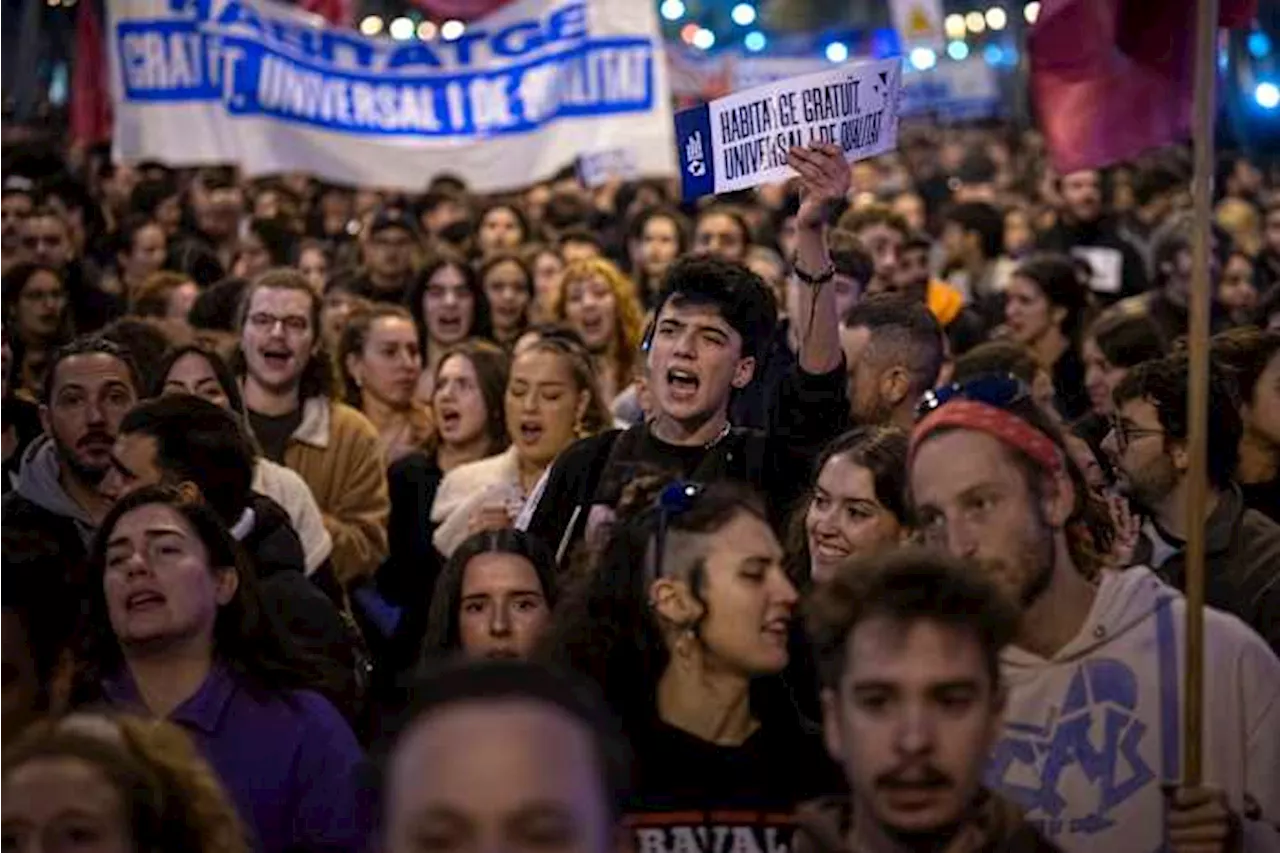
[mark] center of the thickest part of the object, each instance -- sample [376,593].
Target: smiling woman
[855,507]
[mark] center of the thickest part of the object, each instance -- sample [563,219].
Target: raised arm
[824,181]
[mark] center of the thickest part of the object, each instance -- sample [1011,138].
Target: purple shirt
[288,760]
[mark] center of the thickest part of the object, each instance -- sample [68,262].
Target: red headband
[1006,426]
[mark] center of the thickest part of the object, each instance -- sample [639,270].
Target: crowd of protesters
[842,515]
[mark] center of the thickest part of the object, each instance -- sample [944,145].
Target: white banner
[517,96]
[741,141]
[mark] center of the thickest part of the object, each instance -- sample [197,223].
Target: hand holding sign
[745,139]
[824,181]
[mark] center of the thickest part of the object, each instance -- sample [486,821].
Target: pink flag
[1113,78]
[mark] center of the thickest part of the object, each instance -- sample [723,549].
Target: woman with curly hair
[114,784]
[600,303]
[684,622]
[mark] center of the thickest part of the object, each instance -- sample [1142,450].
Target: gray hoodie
[38,482]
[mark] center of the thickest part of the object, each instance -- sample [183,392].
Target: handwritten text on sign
[741,140]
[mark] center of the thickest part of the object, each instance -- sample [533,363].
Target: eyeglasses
[1125,434]
[674,501]
[995,389]
[294,323]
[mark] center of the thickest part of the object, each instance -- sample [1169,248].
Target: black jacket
[1242,564]
[301,608]
[807,412]
[1101,234]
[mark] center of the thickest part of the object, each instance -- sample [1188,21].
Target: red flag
[463,10]
[336,12]
[90,105]
[1113,78]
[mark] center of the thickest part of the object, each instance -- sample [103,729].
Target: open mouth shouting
[682,384]
[530,431]
[449,326]
[594,329]
[277,358]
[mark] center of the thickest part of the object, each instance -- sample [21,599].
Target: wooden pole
[1198,379]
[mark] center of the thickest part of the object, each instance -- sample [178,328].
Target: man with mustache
[908,647]
[1091,746]
[90,386]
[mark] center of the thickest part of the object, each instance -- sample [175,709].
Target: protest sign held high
[741,141]
[508,101]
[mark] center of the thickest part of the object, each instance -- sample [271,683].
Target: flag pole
[1202,125]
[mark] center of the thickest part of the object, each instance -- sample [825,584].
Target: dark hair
[564,210]
[907,586]
[492,365]
[1268,302]
[984,220]
[246,639]
[525,232]
[465,682]
[149,193]
[1243,354]
[128,230]
[1056,277]
[1163,384]
[1151,180]
[221,371]
[997,357]
[90,345]
[277,238]
[743,299]
[16,279]
[606,628]
[882,451]
[27,591]
[489,263]
[903,331]
[355,334]
[1127,339]
[849,257]
[216,307]
[480,325]
[721,209]
[580,234]
[200,442]
[635,229]
[442,623]
[144,339]
[318,378]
